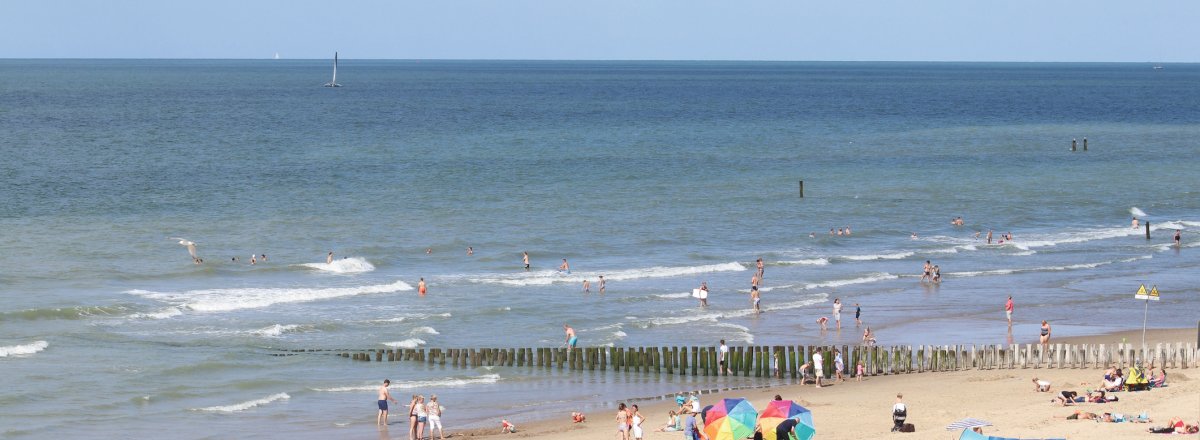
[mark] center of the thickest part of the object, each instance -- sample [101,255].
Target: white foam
[168,312]
[881,276]
[245,405]
[436,383]
[274,331]
[424,331]
[223,300]
[892,256]
[1044,268]
[547,277]
[22,350]
[1137,212]
[673,295]
[766,289]
[805,262]
[344,266]
[407,343]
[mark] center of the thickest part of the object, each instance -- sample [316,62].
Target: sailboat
[333,82]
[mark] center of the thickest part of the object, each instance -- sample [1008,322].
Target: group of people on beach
[931,272]
[422,415]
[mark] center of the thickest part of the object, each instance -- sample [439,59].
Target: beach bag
[908,427]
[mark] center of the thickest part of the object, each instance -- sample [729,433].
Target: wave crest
[23,350]
[345,265]
[224,300]
[245,405]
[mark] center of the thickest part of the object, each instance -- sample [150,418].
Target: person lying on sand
[578,417]
[1176,426]
[1099,396]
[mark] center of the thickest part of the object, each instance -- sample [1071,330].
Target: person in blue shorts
[571,338]
[384,397]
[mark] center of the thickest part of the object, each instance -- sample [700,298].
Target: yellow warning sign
[1154,293]
[1141,293]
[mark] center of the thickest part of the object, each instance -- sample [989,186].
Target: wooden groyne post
[784,361]
[802,189]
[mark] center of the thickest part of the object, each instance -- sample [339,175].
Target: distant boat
[1158,67]
[276,55]
[333,82]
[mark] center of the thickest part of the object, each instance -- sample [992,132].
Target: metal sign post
[1147,296]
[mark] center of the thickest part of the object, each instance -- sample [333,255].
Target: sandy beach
[859,410]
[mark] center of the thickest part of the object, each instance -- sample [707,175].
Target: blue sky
[939,30]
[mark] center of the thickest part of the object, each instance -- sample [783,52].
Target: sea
[659,176]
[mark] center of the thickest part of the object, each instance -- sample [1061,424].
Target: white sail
[333,82]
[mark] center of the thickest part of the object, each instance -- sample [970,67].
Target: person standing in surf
[1178,237]
[755,299]
[329,258]
[571,338]
[525,259]
[587,287]
[857,315]
[989,236]
[1008,309]
[601,283]
[565,267]
[1135,222]
[384,397]
[761,271]
[704,294]
[421,286]
[837,312]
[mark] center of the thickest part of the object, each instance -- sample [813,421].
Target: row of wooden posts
[785,361]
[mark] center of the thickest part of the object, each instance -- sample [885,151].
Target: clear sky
[884,30]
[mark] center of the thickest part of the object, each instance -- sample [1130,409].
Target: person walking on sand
[837,312]
[434,409]
[818,366]
[571,338]
[622,420]
[601,283]
[1045,336]
[587,287]
[525,259]
[384,397]
[329,258]
[1008,309]
[421,286]
[838,365]
[899,413]
[722,355]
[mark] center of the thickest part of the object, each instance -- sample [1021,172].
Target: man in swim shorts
[384,397]
[1177,237]
[571,339]
[755,299]
[525,259]
[818,366]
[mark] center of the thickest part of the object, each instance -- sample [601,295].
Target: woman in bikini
[622,422]
[1045,338]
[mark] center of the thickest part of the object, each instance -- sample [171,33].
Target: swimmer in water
[847,230]
[421,286]
[470,251]
[1135,222]
[587,287]
[525,259]
[914,236]
[565,267]
[329,258]
[428,251]
[812,235]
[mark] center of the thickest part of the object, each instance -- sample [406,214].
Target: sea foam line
[547,277]
[436,383]
[1043,268]
[23,350]
[223,300]
[407,343]
[881,276]
[343,266]
[245,405]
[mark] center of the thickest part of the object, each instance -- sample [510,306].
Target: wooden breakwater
[787,360]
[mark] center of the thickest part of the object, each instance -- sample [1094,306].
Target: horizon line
[607,60]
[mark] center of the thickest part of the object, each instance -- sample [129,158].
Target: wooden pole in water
[802,189]
[1084,144]
[1072,144]
[1147,229]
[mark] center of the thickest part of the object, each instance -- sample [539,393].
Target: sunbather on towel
[1176,426]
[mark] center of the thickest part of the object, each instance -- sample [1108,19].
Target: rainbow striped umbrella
[731,419]
[779,410]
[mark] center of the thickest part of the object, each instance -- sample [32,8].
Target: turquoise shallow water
[656,175]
